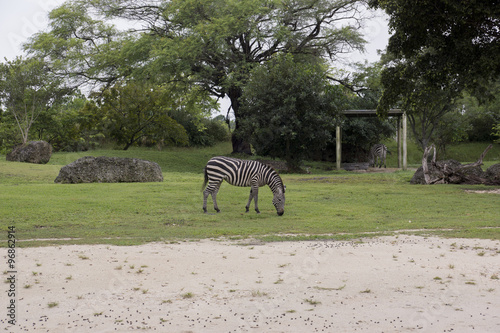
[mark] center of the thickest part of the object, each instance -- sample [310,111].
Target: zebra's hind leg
[247,207]
[212,189]
[206,193]
[205,196]
[214,196]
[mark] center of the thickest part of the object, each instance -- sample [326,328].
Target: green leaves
[139,112]
[27,89]
[455,42]
[288,108]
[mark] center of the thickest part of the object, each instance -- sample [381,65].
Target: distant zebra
[378,153]
[242,173]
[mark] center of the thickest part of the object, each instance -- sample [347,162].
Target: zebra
[242,173]
[378,153]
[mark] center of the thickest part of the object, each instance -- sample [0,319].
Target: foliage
[455,42]
[289,108]
[451,128]
[413,89]
[481,115]
[70,126]
[213,44]
[137,112]
[360,134]
[438,49]
[496,132]
[82,48]
[27,90]
[10,135]
[206,132]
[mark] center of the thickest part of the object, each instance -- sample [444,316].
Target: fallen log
[452,172]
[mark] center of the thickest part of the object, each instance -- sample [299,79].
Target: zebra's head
[279,200]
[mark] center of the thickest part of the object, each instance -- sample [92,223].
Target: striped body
[378,153]
[242,173]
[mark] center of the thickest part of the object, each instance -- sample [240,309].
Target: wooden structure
[401,134]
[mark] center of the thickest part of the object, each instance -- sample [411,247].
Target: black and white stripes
[378,153]
[242,173]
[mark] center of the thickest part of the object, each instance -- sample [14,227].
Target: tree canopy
[212,44]
[449,44]
[27,89]
[289,108]
[136,111]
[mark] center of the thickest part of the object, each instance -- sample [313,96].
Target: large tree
[138,112]
[210,43]
[289,108]
[27,89]
[457,43]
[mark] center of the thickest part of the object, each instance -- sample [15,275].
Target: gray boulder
[104,169]
[38,152]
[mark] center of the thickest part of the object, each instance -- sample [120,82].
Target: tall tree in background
[27,89]
[454,44]
[209,43]
[289,108]
[136,111]
[411,88]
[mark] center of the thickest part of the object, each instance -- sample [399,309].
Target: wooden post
[405,150]
[338,144]
[398,139]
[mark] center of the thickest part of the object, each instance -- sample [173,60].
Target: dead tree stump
[451,171]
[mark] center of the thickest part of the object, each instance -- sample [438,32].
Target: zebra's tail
[206,179]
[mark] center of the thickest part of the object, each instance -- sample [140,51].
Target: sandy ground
[388,284]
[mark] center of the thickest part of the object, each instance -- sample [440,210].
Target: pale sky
[19,19]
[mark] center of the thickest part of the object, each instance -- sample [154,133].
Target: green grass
[335,205]
[463,152]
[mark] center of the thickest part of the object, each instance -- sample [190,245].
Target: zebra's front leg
[247,207]
[256,199]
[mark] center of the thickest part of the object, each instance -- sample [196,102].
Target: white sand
[389,284]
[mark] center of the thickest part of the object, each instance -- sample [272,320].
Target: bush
[202,131]
[289,108]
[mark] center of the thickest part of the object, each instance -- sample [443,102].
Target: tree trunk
[240,145]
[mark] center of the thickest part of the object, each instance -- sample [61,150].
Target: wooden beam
[398,139]
[338,143]
[370,113]
[405,149]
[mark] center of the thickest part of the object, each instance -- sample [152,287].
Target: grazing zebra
[378,152]
[242,173]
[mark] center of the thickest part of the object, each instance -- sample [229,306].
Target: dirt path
[389,284]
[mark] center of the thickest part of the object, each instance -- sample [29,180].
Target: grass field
[324,204]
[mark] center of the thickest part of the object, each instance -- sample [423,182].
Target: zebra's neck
[274,182]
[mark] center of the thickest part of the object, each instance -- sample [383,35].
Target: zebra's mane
[275,174]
